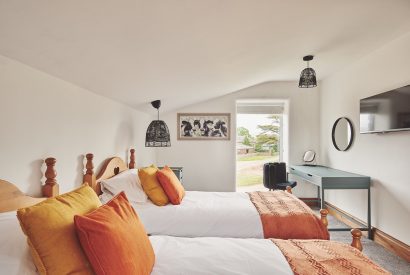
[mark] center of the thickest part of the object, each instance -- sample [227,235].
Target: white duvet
[217,256]
[203,214]
[173,255]
[14,252]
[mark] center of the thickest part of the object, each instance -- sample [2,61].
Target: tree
[258,147]
[269,136]
[243,132]
[248,139]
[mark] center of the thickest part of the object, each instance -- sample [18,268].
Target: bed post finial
[323,217]
[89,176]
[50,188]
[356,235]
[132,159]
[289,189]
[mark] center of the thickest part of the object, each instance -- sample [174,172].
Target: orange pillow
[151,186]
[171,185]
[114,239]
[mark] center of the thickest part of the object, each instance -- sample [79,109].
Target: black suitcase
[274,173]
[266,175]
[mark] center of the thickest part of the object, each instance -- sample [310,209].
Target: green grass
[257,157]
[246,180]
[251,172]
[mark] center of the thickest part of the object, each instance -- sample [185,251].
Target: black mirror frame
[351,130]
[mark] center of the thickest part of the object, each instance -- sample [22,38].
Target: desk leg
[369,215]
[322,198]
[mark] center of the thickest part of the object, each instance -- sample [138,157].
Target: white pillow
[127,181]
[15,256]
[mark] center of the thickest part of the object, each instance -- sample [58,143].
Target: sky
[250,121]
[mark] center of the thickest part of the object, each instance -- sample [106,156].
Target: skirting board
[390,243]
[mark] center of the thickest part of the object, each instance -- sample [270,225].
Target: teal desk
[328,178]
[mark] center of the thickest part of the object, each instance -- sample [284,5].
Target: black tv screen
[385,112]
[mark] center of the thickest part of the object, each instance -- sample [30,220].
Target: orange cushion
[151,186]
[49,227]
[114,239]
[171,185]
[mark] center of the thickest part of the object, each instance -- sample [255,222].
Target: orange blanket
[326,257]
[284,216]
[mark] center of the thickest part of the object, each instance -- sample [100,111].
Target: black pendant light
[157,132]
[308,75]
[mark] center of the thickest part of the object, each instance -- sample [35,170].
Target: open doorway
[259,140]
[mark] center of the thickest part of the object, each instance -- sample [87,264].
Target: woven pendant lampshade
[308,75]
[157,133]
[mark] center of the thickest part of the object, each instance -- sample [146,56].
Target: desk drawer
[309,177]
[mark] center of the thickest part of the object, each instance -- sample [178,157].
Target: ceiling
[186,51]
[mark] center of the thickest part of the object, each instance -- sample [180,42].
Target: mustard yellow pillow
[151,186]
[51,235]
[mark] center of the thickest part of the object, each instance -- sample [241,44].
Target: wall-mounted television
[386,112]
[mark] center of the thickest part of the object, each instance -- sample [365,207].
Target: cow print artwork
[204,126]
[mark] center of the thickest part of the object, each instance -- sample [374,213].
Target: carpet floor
[374,251]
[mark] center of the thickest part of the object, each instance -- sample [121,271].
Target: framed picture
[204,126]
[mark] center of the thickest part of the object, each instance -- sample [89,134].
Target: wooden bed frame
[11,198]
[111,167]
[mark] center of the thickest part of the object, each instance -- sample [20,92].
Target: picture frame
[204,126]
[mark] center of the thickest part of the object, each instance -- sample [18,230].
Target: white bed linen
[203,214]
[173,255]
[199,256]
[14,253]
[127,181]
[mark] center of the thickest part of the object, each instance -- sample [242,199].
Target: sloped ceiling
[186,51]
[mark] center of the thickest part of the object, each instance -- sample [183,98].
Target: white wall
[210,165]
[43,116]
[384,157]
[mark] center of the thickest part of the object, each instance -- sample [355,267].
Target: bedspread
[326,257]
[284,216]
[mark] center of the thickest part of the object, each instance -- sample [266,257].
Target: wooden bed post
[323,217]
[132,159]
[89,176]
[356,235]
[289,189]
[50,188]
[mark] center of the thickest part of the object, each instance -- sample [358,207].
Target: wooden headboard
[11,198]
[111,167]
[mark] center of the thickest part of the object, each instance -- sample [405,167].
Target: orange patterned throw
[284,216]
[307,257]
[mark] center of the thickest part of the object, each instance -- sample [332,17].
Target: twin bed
[275,214]
[199,255]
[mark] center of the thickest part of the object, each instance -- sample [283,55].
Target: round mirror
[342,134]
